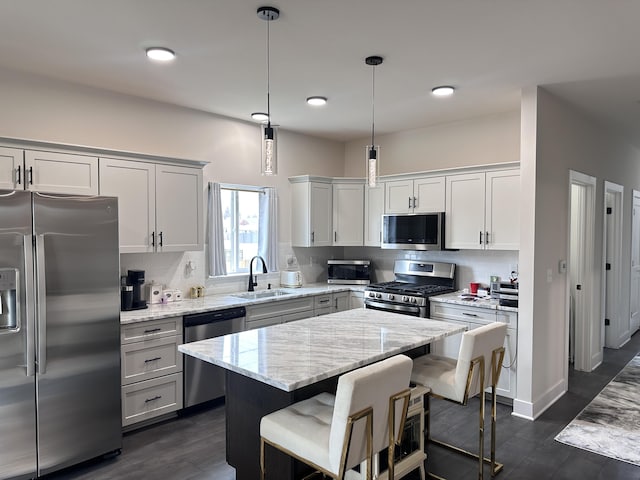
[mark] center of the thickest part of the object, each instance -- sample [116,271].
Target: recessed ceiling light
[260,116]
[442,91]
[160,54]
[317,101]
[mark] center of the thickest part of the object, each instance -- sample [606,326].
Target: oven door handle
[391,307]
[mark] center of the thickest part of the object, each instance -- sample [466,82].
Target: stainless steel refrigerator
[59,331]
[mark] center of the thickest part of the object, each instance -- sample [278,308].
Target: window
[240,217]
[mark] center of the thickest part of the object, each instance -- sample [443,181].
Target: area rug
[610,424]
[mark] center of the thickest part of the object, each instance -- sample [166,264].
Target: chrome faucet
[254,282]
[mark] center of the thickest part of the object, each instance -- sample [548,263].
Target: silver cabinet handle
[18,175]
[160,244]
[41,307]
[486,237]
[313,237]
[409,202]
[30,175]
[153,399]
[335,236]
[30,322]
[480,237]
[151,330]
[324,301]
[153,239]
[153,359]
[470,314]
[415,203]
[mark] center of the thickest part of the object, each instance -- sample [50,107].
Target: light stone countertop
[293,355]
[225,300]
[456,298]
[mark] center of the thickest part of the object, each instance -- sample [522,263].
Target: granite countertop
[293,355]
[458,298]
[226,300]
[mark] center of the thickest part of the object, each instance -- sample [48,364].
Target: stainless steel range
[414,283]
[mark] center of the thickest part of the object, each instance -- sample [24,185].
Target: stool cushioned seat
[305,425]
[317,430]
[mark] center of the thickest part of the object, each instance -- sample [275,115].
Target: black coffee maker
[131,291]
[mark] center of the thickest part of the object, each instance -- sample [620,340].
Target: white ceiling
[587,51]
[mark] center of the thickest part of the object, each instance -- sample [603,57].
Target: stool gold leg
[261,458]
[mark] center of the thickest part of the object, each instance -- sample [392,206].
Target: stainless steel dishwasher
[204,381]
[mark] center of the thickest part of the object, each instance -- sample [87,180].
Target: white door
[348,214]
[134,185]
[61,173]
[373,209]
[583,321]
[502,220]
[428,195]
[179,206]
[464,212]
[321,211]
[11,174]
[635,263]
[398,196]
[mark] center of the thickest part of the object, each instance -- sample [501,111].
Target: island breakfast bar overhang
[272,367]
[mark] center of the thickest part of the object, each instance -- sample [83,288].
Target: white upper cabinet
[11,161]
[311,212]
[421,195]
[48,172]
[179,205]
[60,173]
[481,211]
[502,217]
[160,206]
[348,214]
[373,210]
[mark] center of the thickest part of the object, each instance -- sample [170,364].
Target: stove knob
[405,298]
[378,295]
[391,297]
[414,300]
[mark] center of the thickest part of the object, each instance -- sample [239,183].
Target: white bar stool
[333,434]
[461,379]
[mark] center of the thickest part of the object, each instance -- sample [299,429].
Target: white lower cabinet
[356,300]
[280,311]
[330,303]
[151,369]
[474,317]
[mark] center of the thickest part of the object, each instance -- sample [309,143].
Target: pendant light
[269,162]
[373,150]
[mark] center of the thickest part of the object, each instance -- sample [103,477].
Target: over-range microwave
[348,272]
[413,231]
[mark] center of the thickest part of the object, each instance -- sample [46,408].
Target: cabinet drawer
[322,301]
[276,308]
[150,359]
[291,317]
[510,318]
[264,322]
[445,311]
[151,398]
[171,326]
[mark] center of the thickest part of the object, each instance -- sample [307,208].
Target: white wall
[37,108]
[477,141]
[556,138]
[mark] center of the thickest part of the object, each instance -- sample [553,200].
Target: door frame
[584,330]
[612,229]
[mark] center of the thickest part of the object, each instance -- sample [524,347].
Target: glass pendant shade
[372,164]
[269,163]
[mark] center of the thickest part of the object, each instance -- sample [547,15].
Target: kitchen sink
[260,294]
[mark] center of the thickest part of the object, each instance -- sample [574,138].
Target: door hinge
[609,210]
[607,266]
[607,322]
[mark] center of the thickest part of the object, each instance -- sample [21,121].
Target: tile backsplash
[183,270]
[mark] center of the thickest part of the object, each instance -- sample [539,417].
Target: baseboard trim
[532,410]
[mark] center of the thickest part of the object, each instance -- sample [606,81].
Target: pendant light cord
[268,77]
[373,106]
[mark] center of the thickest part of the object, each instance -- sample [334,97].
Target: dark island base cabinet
[247,401]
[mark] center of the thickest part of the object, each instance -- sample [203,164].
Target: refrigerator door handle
[29,291]
[41,309]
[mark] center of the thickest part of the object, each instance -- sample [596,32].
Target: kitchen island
[272,367]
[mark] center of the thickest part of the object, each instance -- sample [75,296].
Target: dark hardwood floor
[191,447]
